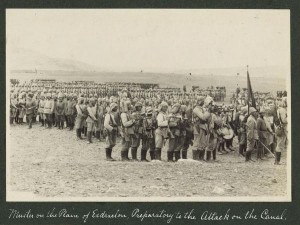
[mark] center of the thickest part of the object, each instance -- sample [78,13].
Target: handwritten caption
[142,215]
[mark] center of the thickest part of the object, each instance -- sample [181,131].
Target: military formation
[147,120]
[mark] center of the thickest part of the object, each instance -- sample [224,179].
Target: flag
[251,99]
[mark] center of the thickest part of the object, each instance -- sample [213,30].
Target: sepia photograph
[148,105]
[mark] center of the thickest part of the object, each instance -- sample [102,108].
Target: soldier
[200,130]
[241,131]
[137,129]
[100,119]
[281,130]
[30,107]
[21,107]
[80,117]
[252,135]
[13,108]
[262,134]
[49,109]
[71,110]
[91,119]
[111,128]
[175,121]
[127,129]
[60,111]
[41,109]
[148,141]
[161,132]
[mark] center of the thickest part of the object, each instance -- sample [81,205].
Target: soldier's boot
[152,155]
[194,153]
[124,157]
[170,156]
[184,154]
[177,155]
[85,131]
[89,137]
[277,158]
[144,156]
[111,159]
[201,155]
[157,154]
[78,134]
[134,153]
[82,130]
[98,135]
[208,156]
[42,122]
[247,158]
[214,154]
[62,124]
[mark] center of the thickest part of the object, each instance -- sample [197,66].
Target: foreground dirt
[51,163]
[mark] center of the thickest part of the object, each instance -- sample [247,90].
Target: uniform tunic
[252,135]
[161,131]
[111,126]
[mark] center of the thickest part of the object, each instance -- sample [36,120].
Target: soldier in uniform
[41,109]
[21,107]
[162,127]
[262,131]
[127,123]
[49,109]
[137,129]
[91,119]
[60,111]
[111,128]
[13,108]
[80,117]
[200,130]
[148,141]
[30,108]
[100,119]
[252,135]
[281,130]
[175,122]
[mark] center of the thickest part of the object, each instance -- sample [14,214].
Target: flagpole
[248,89]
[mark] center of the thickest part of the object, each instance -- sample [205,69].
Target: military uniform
[175,143]
[60,112]
[30,107]
[200,131]
[49,109]
[252,135]
[148,137]
[161,133]
[111,128]
[91,119]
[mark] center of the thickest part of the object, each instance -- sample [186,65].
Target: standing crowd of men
[184,122]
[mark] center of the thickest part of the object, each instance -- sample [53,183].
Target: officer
[111,128]
[161,133]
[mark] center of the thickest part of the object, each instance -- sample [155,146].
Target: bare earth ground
[51,163]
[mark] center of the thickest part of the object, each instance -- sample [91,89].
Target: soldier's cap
[48,95]
[148,110]
[164,104]
[252,110]
[200,98]
[138,104]
[244,110]
[60,95]
[113,105]
[176,105]
[30,95]
[262,110]
[92,100]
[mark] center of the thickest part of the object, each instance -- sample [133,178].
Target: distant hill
[23,59]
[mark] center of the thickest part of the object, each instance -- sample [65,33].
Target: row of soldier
[198,123]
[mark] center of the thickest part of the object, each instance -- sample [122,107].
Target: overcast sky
[178,39]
